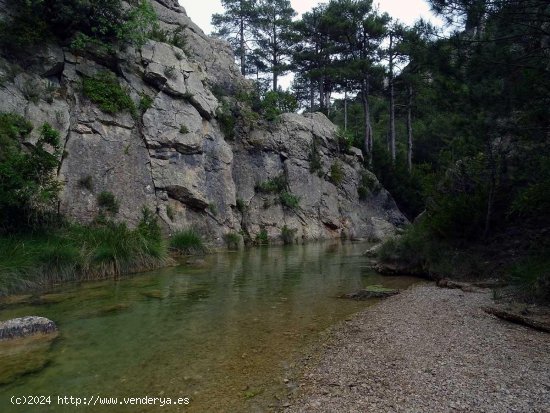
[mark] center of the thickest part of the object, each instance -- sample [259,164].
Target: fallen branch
[518,319]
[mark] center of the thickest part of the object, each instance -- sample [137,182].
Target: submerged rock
[372,291]
[26,326]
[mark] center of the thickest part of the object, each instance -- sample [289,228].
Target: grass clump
[107,202]
[77,252]
[289,200]
[232,240]
[145,102]
[184,129]
[86,182]
[262,237]
[187,242]
[367,185]
[104,90]
[314,157]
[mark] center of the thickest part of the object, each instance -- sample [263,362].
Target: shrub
[315,163]
[226,119]
[262,238]
[187,242]
[145,102]
[531,276]
[336,172]
[367,185]
[232,240]
[289,200]
[184,129]
[288,235]
[274,185]
[344,139]
[108,202]
[104,90]
[276,103]
[241,206]
[28,188]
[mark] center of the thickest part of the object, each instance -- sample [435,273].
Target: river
[229,332]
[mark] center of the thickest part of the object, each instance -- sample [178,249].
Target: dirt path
[429,350]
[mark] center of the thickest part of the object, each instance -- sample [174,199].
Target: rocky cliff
[174,157]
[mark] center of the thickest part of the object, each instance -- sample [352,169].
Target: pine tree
[237,26]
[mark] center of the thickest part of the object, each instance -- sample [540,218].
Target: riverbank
[429,350]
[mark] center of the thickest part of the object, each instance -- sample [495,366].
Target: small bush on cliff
[277,103]
[274,185]
[107,202]
[187,242]
[232,240]
[28,188]
[104,90]
[289,200]
[336,173]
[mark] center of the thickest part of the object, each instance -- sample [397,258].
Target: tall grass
[187,242]
[78,253]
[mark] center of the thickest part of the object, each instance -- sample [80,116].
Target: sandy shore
[429,350]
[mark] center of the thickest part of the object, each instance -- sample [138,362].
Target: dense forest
[454,123]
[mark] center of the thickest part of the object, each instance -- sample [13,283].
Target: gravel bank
[429,350]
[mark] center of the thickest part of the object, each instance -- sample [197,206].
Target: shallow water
[227,332]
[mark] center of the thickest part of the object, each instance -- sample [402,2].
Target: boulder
[26,326]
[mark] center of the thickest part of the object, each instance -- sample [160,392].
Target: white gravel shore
[429,349]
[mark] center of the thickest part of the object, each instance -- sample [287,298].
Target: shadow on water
[225,333]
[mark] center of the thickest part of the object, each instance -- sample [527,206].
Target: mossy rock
[24,356]
[371,291]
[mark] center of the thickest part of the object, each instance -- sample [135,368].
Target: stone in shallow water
[372,291]
[25,326]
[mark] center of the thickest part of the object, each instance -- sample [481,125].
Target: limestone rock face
[173,157]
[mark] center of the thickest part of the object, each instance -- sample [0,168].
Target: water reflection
[225,333]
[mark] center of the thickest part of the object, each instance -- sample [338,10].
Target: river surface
[228,332]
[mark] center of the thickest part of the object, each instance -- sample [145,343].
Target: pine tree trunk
[392,104]
[368,142]
[409,131]
[243,54]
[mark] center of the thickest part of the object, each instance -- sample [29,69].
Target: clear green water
[226,332]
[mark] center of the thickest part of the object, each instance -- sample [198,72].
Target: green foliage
[277,103]
[532,276]
[288,235]
[184,129]
[187,242]
[104,90]
[262,237]
[76,253]
[232,240]
[336,172]
[28,188]
[367,185]
[227,120]
[314,157]
[213,208]
[145,102]
[241,206]
[345,139]
[107,202]
[289,200]
[274,185]
[101,24]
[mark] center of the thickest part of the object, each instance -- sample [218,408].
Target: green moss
[104,90]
